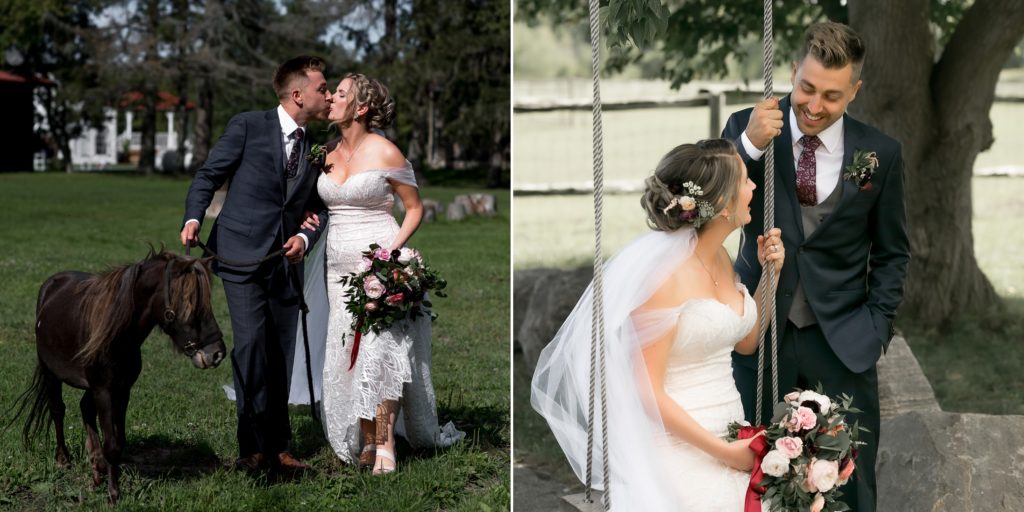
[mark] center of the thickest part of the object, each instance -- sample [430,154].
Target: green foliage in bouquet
[811,452]
[390,286]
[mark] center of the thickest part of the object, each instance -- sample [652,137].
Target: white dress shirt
[828,157]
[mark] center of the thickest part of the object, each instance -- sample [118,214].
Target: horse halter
[191,347]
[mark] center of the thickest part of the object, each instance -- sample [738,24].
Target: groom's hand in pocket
[765,123]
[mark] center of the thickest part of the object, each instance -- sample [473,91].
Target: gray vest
[800,313]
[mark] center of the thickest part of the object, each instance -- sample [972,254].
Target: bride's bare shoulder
[675,290]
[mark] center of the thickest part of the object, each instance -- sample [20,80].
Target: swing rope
[597,340]
[768,292]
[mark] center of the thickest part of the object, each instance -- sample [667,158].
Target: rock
[938,461]
[478,204]
[543,299]
[902,386]
[431,209]
[456,211]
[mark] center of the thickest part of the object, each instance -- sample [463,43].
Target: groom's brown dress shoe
[288,462]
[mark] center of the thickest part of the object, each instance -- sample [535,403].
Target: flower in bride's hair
[775,464]
[373,287]
[687,203]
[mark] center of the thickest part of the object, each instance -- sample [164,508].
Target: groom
[263,156]
[845,236]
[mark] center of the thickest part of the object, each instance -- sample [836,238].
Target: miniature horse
[89,334]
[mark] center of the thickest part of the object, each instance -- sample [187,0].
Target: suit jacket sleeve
[221,164]
[890,251]
[733,131]
[315,205]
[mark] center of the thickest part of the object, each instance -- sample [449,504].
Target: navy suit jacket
[258,214]
[852,267]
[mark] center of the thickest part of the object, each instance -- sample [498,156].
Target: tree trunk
[204,123]
[147,153]
[56,116]
[940,112]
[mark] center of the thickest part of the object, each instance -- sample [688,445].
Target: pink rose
[805,418]
[791,447]
[818,504]
[791,423]
[395,299]
[822,475]
[370,307]
[373,287]
[791,397]
[382,254]
[846,472]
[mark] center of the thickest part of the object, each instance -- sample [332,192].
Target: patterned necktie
[806,170]
[292,168]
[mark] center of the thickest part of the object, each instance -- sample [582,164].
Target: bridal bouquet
[389,286]
[806,453]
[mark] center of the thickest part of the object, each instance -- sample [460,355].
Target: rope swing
[768,292]
[597,340]
[597,343]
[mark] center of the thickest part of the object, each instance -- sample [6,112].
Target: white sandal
[382,470]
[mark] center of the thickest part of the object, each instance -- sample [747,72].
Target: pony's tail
[33,400]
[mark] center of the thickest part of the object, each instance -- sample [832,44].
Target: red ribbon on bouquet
[355,343]
[760,447]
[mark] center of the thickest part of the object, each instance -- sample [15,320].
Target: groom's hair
[834,45]
[292,70]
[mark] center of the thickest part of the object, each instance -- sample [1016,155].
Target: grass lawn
[975,367]
[181,428]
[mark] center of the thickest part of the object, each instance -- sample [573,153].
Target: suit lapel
[276,149]
[785,168]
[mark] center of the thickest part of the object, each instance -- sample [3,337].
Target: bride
[673,313]
[390,382]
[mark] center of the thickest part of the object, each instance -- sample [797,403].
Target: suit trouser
[264,315]
[805,360]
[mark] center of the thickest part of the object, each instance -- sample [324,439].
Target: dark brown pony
[89,334]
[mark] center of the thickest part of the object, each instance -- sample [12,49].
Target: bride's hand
[770,248]
[737,455]
[312,220]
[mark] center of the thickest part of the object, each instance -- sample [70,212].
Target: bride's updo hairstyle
[374,95]
[691,185]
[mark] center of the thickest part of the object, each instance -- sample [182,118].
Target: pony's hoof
[62,461]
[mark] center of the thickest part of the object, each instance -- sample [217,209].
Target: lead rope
[768,292]
[597,340]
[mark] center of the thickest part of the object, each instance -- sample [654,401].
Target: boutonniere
[864,165]
[317,155]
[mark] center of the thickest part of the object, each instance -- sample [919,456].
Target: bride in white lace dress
[673,312]
[391,377]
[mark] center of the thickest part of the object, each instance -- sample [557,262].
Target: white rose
[823,401]
[823,474]
[775,463]
[364,266]
[406,255]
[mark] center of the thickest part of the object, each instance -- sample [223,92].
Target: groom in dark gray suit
[271,186]
[845,237]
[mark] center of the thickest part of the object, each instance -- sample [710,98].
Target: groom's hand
[765,123]
[189,234]
[294,249]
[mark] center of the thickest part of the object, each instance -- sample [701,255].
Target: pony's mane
[111,299]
